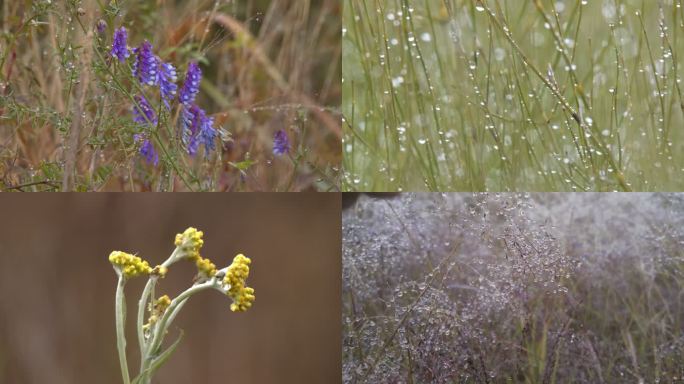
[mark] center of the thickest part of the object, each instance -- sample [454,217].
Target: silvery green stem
[178,308]
[145,297]
[176,255]
[142,304]
[120,309]
[163,324]
[148,364]
[151,282]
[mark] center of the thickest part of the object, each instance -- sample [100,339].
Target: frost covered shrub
[496,287]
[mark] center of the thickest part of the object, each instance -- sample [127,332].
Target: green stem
[161,326]
[120,307]
[141,314]
[295,162]
[145,347]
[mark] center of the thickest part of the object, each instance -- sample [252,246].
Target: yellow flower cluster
[205,266]
[191,242]
[162,303]
[236,274]
[159,270]
[158,310]
[129,265]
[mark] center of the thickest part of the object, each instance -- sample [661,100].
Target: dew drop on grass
[499,54]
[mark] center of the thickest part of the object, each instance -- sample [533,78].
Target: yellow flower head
[129,265]
[205,266]
[161,304]
[157,310]
[236,274]
[159,270]
[191,242]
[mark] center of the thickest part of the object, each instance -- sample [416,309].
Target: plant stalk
[120,309]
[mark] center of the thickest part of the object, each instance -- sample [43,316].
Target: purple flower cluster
[150,70]
[119,46]
[101,27]
[147,149]
[198,129]
[166,79]
[281,143]
[143,113]
[145,65]
[191,84]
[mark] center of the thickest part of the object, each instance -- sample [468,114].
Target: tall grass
[492,288]
[65,107]
[543,95]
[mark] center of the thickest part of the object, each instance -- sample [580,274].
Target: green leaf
[51,171]
[160,360]
[243,165]
[102,174]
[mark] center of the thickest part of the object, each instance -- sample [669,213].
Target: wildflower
[101,27]
[190,241]
[147,150]
[143,113]
[198,129]
[157,310]
[166,79]
[191,84]
[162,311]
[129,265]
[162,303]
[159,270]
[205,267]
[145,65]
[236,274]
[207,134]
[119,47]
[281,143]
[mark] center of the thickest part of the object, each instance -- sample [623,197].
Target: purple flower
[191,84]
[143,112]
[198,130]
[147,150]
[208,134]
[145,65]
[166,79]
[101,26]
[119,48]
[281,143]
[149,69]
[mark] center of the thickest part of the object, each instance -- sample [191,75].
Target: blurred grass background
[268,65]
[57,286]
[438,97]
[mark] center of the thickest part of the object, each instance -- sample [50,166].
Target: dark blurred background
[57,286]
